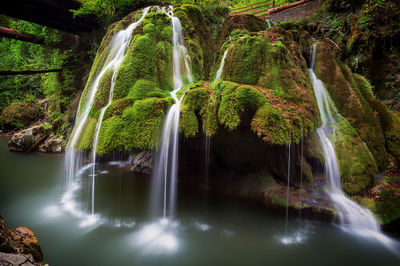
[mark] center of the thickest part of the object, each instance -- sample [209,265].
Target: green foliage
[18,55]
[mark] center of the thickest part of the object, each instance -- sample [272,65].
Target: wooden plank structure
[265,8]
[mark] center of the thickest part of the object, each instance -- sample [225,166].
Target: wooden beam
[14,34]
[27,72]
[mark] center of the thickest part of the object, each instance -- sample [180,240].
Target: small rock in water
[141,162]
[52,144]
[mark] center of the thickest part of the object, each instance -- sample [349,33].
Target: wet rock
[28,139]
[52,144]
[141,162]
[7,259]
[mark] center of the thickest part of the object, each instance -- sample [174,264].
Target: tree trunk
[14,34]
[27,72]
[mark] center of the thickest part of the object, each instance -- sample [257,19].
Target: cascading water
[269,23]
[221,67]
[166,164]
[122,37]
[207,141]
[73,161]
[352,217]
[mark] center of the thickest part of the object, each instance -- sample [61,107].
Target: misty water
[207,230]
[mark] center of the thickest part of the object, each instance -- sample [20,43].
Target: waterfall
[269,23]
[221,67]
[166,164]
[287,192]
[123,37]
[352,217]
[207,141]
[116,54]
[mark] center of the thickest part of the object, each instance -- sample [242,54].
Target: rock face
[28,139]
[16,259]
[141,162]
[52,144]
[18,246]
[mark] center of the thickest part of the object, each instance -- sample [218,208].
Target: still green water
[209,230]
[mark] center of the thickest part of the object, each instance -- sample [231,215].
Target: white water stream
[166,167]
[122,41]
[353,218]
[221,67]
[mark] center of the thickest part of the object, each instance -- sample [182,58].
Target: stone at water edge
[27,139]
[16,259]
[52,144]
[17,241]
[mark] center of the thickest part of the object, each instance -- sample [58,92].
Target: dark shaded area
[54,14]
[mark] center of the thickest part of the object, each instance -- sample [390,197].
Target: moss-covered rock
[389,121]
[357,165]
[248,22]
[198,39]
[350,101]
[137,128]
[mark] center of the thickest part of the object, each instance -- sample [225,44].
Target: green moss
[102,94]
[357,165]
[163,52]
[270,124]
[137,128]
[145,89]
[138,64]
[235,101]
[389,121]
[194,103]
[85,140]
[117,107]
[198,39]
[245,60]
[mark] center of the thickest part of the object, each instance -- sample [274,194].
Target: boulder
[52,144]
[141,162]
[27,139]
[7,259]
[18,246]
